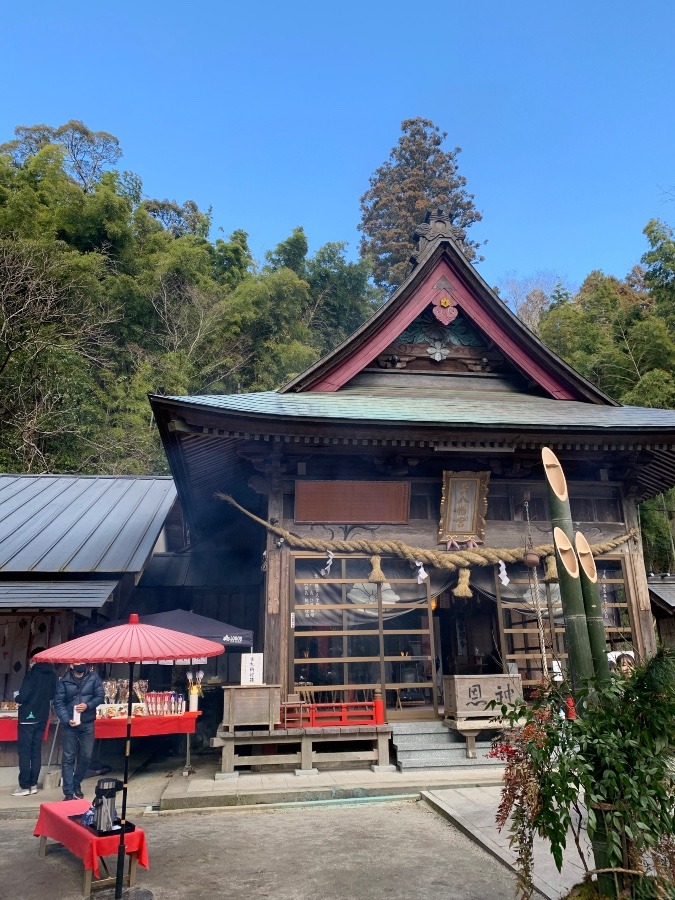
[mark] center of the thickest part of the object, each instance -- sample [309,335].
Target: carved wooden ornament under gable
[442,339]
[463,507]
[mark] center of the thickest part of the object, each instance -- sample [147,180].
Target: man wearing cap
[78,694]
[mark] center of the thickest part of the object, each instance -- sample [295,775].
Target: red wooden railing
[318,715]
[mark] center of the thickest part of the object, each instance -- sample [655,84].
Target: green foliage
[342,296]
[106,296]
[87,154]
[660,267]
[180,220]
[656,517]
[617,759]
[620,335]
[290,254]
[419,176]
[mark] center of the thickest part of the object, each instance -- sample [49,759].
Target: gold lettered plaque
[463,507]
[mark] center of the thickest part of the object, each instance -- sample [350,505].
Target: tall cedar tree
[418,176]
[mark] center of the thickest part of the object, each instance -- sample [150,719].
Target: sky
[276,114]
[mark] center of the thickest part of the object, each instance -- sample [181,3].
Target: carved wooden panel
[352,502]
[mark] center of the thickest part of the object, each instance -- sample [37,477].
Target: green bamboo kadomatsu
[588,574]
[576,628]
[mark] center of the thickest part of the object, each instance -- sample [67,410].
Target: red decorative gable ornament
[445,309]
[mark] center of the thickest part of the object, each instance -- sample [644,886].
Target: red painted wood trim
[399,321]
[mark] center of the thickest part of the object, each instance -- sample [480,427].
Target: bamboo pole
[588,574]
[576,629]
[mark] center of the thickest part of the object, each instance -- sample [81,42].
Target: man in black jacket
[78,694]
[34,697]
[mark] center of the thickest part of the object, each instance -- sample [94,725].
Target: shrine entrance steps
[432,745]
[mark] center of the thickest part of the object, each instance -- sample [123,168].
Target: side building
[72,550]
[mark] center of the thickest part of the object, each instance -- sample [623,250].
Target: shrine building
[423,431]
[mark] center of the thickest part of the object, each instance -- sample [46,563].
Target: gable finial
[437,224]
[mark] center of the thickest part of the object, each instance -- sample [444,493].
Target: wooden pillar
[503,648]
[637,587]
[274,649]
[286,634]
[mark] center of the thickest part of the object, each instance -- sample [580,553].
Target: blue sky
[277,114]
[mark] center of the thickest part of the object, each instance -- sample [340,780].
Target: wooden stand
[469,729]
[59,822]
[465,698]
[306,758]
[93,884]
[251,704]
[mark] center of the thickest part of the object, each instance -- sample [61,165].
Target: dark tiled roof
[71,523]
[468,409]
[89,594]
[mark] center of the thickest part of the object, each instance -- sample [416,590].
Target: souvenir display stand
[145,726]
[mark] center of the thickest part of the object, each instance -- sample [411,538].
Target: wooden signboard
[252,668]
[463,507]
[352,502]
[466,696]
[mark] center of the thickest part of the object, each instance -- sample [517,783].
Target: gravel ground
[371,851]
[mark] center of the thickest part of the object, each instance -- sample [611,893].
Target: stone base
[306,771]
[226,775]
[51,780]
[383,769]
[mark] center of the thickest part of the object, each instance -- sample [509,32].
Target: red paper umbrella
[131,643]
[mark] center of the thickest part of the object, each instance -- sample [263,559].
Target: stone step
[442,760]
[433,726]
[434,742]
[417,766]
[448,753]
[420,741]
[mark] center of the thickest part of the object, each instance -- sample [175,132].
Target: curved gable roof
[441,269]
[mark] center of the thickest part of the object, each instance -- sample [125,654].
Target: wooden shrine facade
[423,430]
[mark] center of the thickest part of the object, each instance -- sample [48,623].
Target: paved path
[472,810]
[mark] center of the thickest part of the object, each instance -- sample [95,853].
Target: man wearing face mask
[78,694]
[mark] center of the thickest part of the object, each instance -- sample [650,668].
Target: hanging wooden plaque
[463,507]
[352,502]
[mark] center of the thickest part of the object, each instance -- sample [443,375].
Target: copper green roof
[474,410]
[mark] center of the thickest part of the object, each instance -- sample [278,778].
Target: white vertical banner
[252,668]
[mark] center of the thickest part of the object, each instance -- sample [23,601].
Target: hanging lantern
[531,559]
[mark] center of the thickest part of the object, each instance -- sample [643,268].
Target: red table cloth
[53,822]
[9,729]
[144,726]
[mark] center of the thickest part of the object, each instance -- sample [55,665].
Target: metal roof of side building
[662,589]
[80,524]
[33,594]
